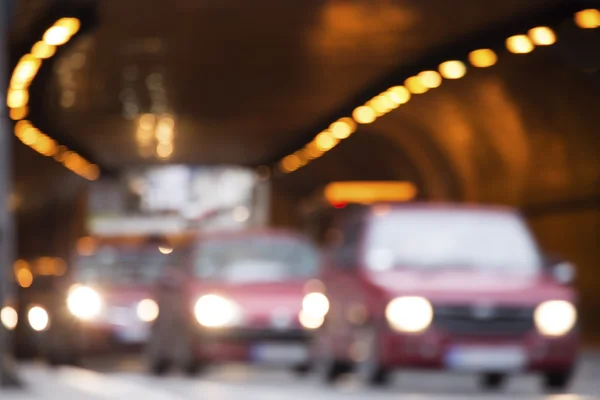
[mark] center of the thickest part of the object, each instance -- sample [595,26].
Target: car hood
[124,295]
[466,287]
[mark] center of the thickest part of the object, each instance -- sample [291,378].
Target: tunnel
[503,114]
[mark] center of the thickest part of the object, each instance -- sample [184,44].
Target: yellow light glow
[164,150]
[519,44]
[414,85]
[19,113]
[57,35]
[146,121]
[453,69]
[290,163]
[483,58]
[364,115]
[43,50]
[9,318]
[588,19]
[17,98]
[342,128]
[430,79]
[74,161]
[92,172]
[164,134]
[382,104]
[312,151]
[325,141]
[24,278]
[71,24]
[399,94]
[367,192]
[165,249]
[542,36]
[19,265]
[26,69]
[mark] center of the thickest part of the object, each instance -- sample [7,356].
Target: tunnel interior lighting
[399,94]
[343,128]
[415,86]
[542,36]
[367,192]
[519,44]
[17,99]
[453,69]
[430,79]
[588,19]
[483,58]
[364,115]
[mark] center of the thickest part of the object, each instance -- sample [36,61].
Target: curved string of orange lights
[17,100]
[398,95]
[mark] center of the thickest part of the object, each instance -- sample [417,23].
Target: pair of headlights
[415,314]
[86,304]
[37,316]
[214,311]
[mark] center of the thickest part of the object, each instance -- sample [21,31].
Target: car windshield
[256,259]
[121,265]
[433,240]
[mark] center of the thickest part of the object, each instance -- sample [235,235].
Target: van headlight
[409,314]
[213,311]
[555,317]
[84,302]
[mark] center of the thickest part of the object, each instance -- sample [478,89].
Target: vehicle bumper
[264,346]
[536,353]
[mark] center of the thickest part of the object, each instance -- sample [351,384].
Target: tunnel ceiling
[241,78]
[247,82]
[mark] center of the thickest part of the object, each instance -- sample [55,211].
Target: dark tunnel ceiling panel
[242,76]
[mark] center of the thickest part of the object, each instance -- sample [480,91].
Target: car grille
[493,321]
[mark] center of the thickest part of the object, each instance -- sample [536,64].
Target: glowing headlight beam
[38,319]
[555,317]
[213,311]
[84,302]
[409,314]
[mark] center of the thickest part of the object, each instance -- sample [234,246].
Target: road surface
[125,380]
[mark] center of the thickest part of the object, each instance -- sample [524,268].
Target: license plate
[133,334]
[279,353]
[495,359]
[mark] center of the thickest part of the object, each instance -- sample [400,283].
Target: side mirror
[563,272]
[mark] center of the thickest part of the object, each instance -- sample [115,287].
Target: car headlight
[147,310]
[84,302]
[214,311]
[555,318]
[314,308]
[9,318]
[409,314]
[38,318]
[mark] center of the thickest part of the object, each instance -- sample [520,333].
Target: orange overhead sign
[367,192]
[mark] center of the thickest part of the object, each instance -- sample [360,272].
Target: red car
[244,296]
[106,302]
[445,287]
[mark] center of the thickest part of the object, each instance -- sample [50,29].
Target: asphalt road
[125,379]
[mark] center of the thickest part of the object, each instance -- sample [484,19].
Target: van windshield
[256,259]
[437,239]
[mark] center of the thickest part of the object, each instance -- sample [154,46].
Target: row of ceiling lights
[419,84]
[17,100]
